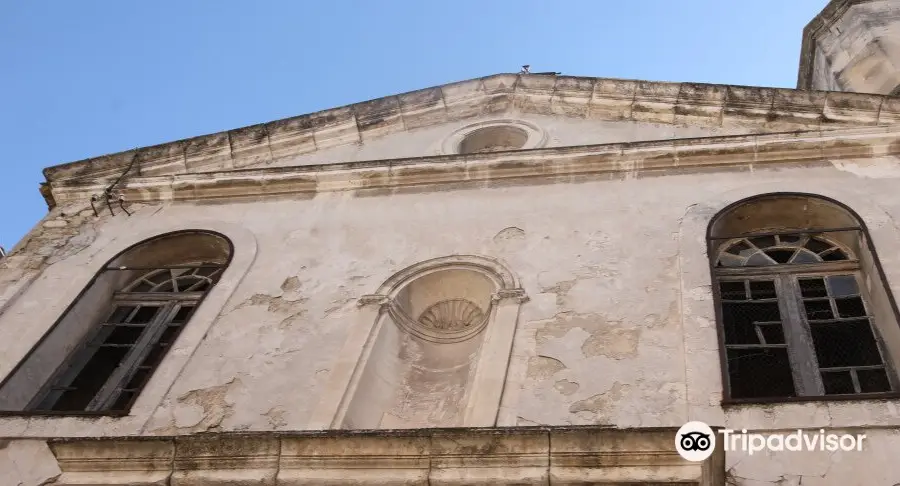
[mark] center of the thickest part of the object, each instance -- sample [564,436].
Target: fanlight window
[777,249]
[796,306]
[141,301]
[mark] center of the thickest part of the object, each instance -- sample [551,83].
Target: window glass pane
[121,313]
[793,239]
[873,381]
[817,246]
[772,333]
[834,256]
[837,382]
[813,287]
[739,320]
[124,335]
[91,378]
[763,242]
[845,344]
[139,378]
[123,401]
[781,256]
[760,373]
[168,336]
[805,256]
[144,315]
[183,314]
[732,290]
[759,260]
[741,248]
[818,309]
[850,307]
[762,289]
[843,285]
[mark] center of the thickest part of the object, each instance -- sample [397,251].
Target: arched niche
[102,351]
[438,351]
[804,309]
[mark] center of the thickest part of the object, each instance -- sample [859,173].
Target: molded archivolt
[432,351]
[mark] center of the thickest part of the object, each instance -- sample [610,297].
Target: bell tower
[853,45]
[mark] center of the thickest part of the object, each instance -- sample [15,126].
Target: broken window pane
[837,382]
[873,381]
[763,242]
[771,333]
[182,315]
[781,256]
[834,256]
[739,319]
[818,309]
[121,313]
[794,239]
[124,335]
[762,289]
[813,287]
[850,307]
[817,246]
[760,373]
[90,379]
[144,315]
[845,344]
[732,290]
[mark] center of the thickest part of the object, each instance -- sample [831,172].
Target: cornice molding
[760,109]
[826,18]
[549,165]
[517,455]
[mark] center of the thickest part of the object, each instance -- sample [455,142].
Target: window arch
[803,309]
[101,353]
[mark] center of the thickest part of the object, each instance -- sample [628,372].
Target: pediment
[569,110]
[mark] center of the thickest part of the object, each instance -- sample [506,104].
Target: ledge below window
[732,402]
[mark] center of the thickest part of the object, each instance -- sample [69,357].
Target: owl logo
[695,441]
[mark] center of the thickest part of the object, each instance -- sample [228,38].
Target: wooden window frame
[805,370]
[168,303]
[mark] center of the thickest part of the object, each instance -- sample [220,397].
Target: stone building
[518,279]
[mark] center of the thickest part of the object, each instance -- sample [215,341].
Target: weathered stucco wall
[559,132]
[619,329]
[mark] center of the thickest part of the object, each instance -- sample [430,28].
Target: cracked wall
[619,328]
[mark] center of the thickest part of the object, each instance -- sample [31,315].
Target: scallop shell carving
[452,315]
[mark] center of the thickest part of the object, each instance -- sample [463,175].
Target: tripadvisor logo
[696,441]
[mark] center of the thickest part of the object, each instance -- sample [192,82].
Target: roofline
[825,19]
[611,99]
[538,166]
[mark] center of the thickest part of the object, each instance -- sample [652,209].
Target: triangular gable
[716,107]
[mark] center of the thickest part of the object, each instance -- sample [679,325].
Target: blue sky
[87,78]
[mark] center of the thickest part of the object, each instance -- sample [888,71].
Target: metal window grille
[793,318]
[110,367]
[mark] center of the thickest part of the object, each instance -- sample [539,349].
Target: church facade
[517,279]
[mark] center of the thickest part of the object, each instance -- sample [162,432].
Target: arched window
[804,311]
[101,353]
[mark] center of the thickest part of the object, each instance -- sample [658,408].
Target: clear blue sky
[87,78]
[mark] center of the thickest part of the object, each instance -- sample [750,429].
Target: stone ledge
[762,109]
[549,165]
[518,455]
